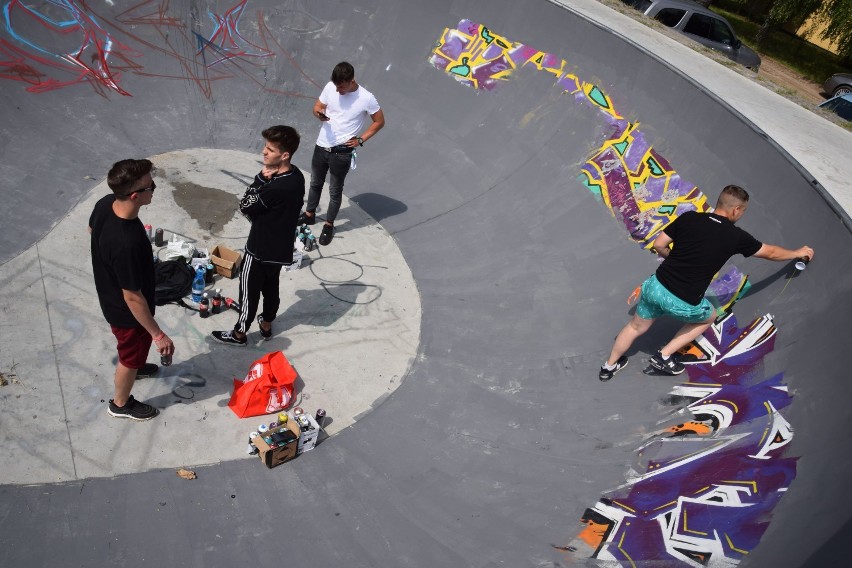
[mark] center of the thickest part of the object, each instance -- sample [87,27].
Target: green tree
[831,20]
[836,16]
[784,11]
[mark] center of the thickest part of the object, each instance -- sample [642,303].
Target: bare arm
[378,123]
[138,306]
[319,110]
[661,244]
[773,252]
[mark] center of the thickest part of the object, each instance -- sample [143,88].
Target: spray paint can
[320,417]
[208,274]
[802,263]
[165,360]
[158,237]
[148,231]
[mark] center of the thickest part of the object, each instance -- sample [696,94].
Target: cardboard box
[308,434]
[226,261]
[273,456]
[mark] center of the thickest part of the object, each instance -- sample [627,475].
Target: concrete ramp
[532,151]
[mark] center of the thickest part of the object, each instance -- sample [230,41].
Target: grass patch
[810,61]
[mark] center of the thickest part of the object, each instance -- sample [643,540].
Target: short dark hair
[731,196]
[285,137]
[343,72]
[125,173]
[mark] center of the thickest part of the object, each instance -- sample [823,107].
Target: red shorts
[133,345]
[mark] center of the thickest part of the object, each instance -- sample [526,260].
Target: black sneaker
[228,337]
[263,333]
[606,374]
[147,370]
[327,234]
[305,219]
[668,366]
[134,410]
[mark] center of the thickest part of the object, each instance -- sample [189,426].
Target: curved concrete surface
[512,206]
[350,327]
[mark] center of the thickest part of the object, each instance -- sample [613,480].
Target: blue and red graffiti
[62,43]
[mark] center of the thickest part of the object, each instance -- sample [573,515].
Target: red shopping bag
[267,388]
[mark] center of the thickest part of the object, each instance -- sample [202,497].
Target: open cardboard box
[273,456]
[226,261]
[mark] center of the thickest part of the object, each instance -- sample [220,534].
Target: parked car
[838,84]
[701,24]
[840,105]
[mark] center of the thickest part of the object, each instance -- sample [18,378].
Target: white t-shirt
[348,114]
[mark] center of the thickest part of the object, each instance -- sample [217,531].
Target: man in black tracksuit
[272,204]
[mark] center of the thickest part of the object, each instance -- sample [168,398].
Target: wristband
[159,337]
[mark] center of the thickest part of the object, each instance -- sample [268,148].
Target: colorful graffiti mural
[704,484]
[636,183]
[62,43]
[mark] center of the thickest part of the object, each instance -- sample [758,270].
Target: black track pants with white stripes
[257,278]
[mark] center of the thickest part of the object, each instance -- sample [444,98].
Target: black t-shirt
[122,259]
[273,205]
[703,243]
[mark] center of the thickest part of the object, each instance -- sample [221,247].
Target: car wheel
[842,90]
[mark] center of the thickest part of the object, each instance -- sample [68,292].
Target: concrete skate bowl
[528,160]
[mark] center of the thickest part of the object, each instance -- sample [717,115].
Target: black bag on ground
[172,281]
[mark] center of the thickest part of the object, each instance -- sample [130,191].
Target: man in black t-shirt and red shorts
[702,244]
[123,267]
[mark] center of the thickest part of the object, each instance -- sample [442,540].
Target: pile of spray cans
[306,238]
[263,429]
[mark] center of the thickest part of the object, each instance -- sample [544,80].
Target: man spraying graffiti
[701,244]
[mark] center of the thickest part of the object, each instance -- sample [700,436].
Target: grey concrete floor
[471,429]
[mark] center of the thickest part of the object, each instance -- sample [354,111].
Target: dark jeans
[321,164]
[257,278]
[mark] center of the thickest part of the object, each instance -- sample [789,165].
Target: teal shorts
[656,301]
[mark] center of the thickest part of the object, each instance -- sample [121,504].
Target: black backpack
[172,281]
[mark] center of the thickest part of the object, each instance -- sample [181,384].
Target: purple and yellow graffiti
[707,480]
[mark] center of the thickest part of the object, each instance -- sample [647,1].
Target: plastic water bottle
[198,284]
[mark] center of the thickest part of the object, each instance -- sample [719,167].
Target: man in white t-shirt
[344,108]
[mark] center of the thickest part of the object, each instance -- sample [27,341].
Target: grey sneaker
[668,366]
[133,409]
[607,374]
